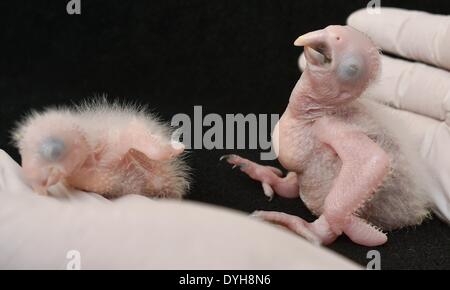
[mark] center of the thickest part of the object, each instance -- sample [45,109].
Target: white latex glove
[135,232]
[418,93]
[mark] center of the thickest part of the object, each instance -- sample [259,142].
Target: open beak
[317,52]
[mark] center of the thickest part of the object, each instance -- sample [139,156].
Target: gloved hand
[415,90]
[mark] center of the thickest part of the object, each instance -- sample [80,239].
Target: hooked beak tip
[310,38]
[300,41]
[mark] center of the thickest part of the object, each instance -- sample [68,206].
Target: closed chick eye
[52,149]
[350,68]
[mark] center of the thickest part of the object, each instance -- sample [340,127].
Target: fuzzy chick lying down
[109,149]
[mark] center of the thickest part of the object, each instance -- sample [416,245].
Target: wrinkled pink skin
[107,149]
[330,80]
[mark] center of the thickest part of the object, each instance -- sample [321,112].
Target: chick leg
[156,176]
[271,178]
[364,165]
[152,145]
[319,231]
[314,232]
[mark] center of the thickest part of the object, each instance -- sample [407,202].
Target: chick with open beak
[343,160]
[341,63]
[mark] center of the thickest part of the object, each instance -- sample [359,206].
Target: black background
[228,56]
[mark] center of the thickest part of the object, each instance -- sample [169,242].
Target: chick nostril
[52,149]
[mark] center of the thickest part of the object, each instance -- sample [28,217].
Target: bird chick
[345,163]
[110,149]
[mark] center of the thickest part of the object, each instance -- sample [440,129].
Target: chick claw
[293,223]
[264,174]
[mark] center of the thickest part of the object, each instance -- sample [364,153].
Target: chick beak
[315,47]
[55,175]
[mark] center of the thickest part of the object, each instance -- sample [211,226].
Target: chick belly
[163,179]
[108,182]
[316,180]
[112,179]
